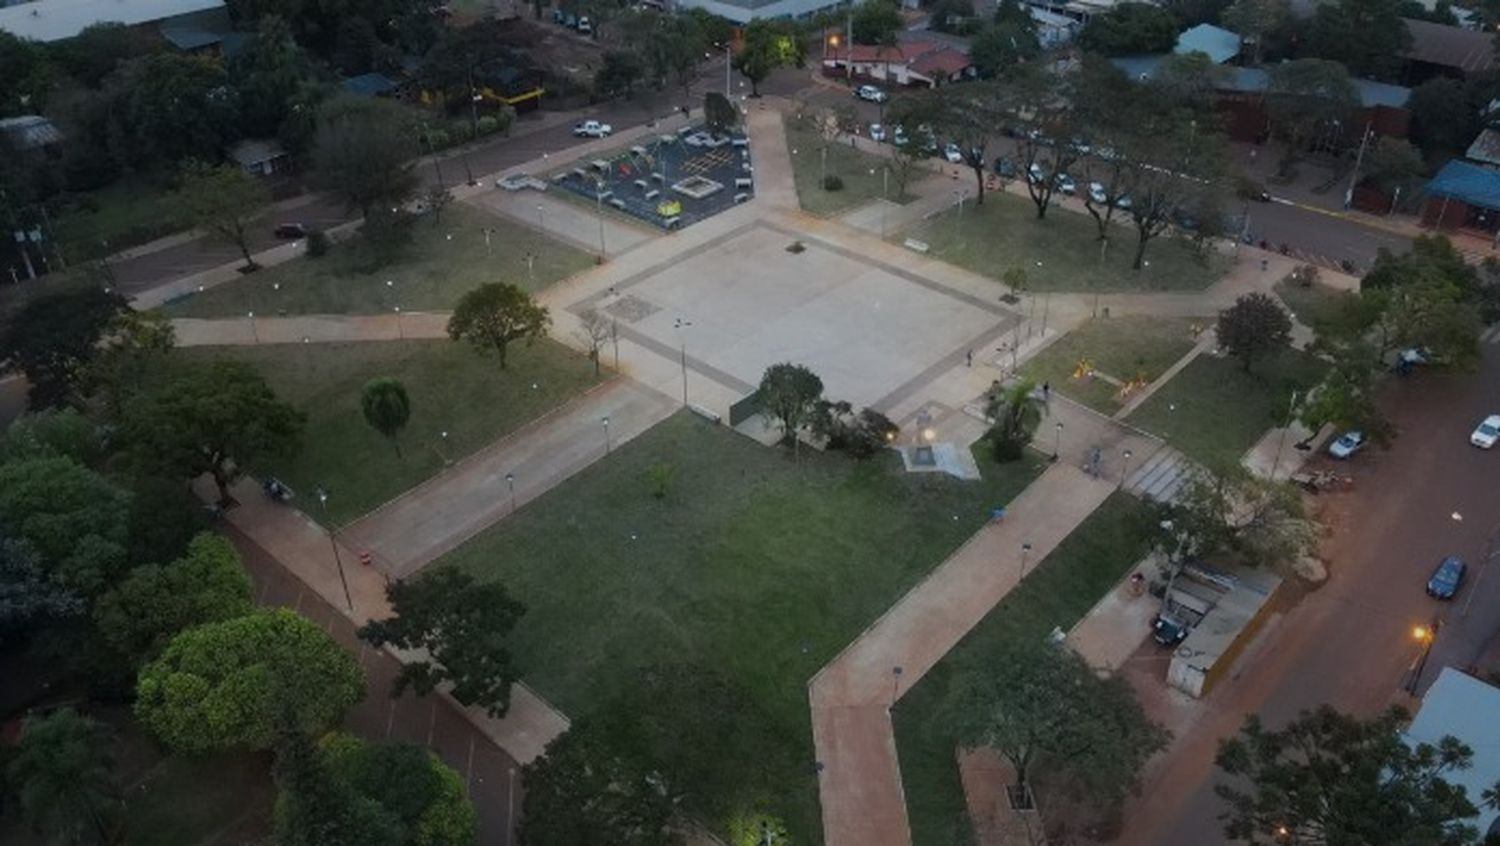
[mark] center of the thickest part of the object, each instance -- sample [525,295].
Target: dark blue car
[1446,579]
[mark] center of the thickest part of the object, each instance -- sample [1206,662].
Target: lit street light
[254,332]
[338,559]
[1125,472]
[1057,442]
[605,421]
[1025,552]
[510,479]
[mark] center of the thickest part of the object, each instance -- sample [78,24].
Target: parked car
[871,94]
[1096,193]
[1486,433]
[593,129]
[1168,630]
[1122,201]
[1446,578]
[899,136]
[1005,168]
[877,132]
[1064,183]
[953,154]
[1035,174]
[585,26]
[1347,444]
[292,230]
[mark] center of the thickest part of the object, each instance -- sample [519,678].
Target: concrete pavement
[435,517]
[859,781]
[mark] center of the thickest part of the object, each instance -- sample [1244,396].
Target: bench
[641,184]
[741,197]
[604,195]
[638,150]
[671,222]
[706,414]
[659,177]
[741,142]
[618,203]
[743,182]
[599,164]
[917,246]
[652,194]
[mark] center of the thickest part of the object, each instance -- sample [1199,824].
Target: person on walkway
[969,358]
[1047,394]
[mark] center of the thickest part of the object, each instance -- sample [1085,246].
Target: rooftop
[1460,705]
[369,84]
[1220,45]
[1469,183]
[1450,46]
[30,131]
[1371,93]
[55,20]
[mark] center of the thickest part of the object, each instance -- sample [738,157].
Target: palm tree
[1014,412]
[63,776]
[386,407]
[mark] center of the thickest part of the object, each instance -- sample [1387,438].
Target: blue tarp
[1469,183]
[1219,44]
[369,84]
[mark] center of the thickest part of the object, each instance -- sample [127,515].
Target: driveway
[1349,642]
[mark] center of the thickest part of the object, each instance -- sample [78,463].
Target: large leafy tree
[1331,778]
[1014,412]
[1045,711]
[1255,20]
[1429,296]
[74,519]
[424,796]
[1166,145]
[1307,97]
[789,393]
[1345,398]
[618,73]
[495,315]
[267,75]
[98,50]
[363,153]
[1131,28]
[242,682]
[315,807]
[53,433]
[140,615]
[65,779]
[1261,522]
[223,201]
[53,337]
[132,353]
[1444,117]
[583,792]
[463,625]
[1366,36]
[179,106]
[26,75]
[29,596]
[998,47]
[1254,327]
[876,22]
[386,407]
[767,46]
[217,418]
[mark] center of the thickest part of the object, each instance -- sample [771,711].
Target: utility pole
[1358,160]
[849,44]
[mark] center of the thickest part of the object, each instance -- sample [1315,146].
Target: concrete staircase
[1163,477]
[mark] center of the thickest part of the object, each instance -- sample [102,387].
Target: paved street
[1350,643]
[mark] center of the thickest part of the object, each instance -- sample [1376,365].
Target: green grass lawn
[1004,233]
[128,213]
[453,389]
[754,565]
[1214,411]
[1319,307]
[444,260]
[1123,347]
[1058,593]
[850,164]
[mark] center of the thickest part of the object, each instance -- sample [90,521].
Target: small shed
[260,156]
[1463,195]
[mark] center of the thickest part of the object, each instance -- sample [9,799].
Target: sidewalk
[859,779]
[305,550]
[440,514]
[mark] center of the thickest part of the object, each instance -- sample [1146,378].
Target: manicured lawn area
[1214,411]
[850,164]
[128,213]
[1317,306]
[754,565]
[1004,233]
[452,388]
[445,259]
[1063,588]
[1122,347]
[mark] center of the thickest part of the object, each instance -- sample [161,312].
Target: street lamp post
[531,269]
[338,559]
[1125,471]
[400,331]
[599,202]
[680,324]
[541,218]
[823,169]
[1057,441]
[895,684]
[444,436]
[1281,442]
[605,421]
[1025,553]
[254,331]
[510,480]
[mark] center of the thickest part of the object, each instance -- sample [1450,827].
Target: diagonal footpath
[860,779]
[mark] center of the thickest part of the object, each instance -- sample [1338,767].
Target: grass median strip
[1118,350]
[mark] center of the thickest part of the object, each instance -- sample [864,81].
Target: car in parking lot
[871,94]
[1035,174]
[291,230]
[1347,444]
[1005,168]
[1167,630]
[953,154]
[899,136]
[593,129]
[877,132]
[1446,578]
[1064,183]
[1486,433]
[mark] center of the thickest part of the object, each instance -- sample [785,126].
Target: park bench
[741,197]
[917,246]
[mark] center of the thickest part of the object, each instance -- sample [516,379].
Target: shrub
[488,125]
[317,243]
[460,131]
[437,139]
[1005,449]
[833,182]
[660,476]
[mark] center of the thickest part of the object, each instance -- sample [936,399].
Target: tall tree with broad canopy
[496,315]
[425,797]
[315,807]
[463,625]
[966,115]
[767,45]
[876,22]
[65,781]
[1308,97]
[386,407]
[789,393]
[1048,142]
[75,520]
[223,201]
[583,792]
[1174,166]
[999,46]
[240,683]
[1014,412]
[1331,778]
[29,597]
[1259,522]
[1366,36]
[1255,20]
[1131,29]
[267,75]
[52,338]
[1254,327]
[156,601]
[363,152]
[218,418]
[132,353]
[53,433]
[719,114]
[179,106]
[1045,711]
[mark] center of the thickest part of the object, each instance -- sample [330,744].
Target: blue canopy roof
[1219,44]
[1469,183]
[369,84]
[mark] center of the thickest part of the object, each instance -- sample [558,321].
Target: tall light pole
[400,331]
[1125,471]
[254,331]
[1025,553]
[1057,442]
[338,559]
[680,324]
[605,421]
[599,201]
[1291,408]
[510,479]
[728,65]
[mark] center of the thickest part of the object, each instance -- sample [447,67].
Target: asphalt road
[529,139]
[1350,643]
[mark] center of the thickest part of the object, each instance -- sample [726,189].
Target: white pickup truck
[593,129]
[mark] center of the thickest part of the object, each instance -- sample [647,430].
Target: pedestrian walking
[969,358]
[1047,393]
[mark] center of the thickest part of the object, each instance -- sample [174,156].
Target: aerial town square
[749,422]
